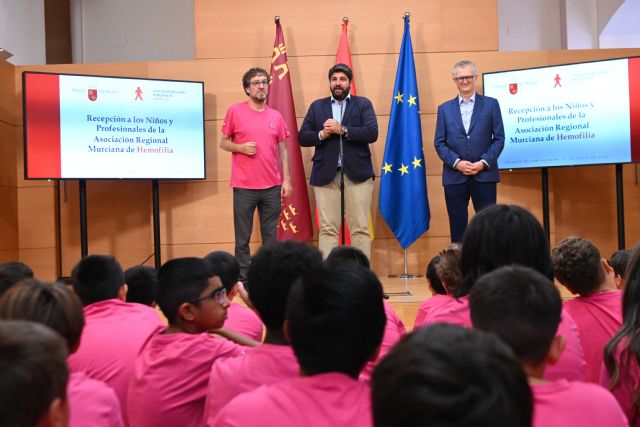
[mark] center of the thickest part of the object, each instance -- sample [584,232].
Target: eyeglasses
[464,78]
[260,83]
[218,294]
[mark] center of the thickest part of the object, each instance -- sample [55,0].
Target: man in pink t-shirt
[114,330]
[272,272]
[169,383]
[523,308]
[335,321]
[240,319]
[597,311]
[255,135]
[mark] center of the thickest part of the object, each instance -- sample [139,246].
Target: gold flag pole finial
[276,19]
[406,15]
[345,19]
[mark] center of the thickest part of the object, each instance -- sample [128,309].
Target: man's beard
[342,95]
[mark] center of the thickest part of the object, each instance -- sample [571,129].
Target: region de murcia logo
[513,88]
[92,94]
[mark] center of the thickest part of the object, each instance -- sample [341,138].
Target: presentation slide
[93,127]
[576,114]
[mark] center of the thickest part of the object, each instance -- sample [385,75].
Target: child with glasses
[171,371]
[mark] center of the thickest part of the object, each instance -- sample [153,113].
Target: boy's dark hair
[97,278]
[340,255]
[619,261]
[432,276]
[12,272]
[336,319]
[577,265]
[521,306]
[225,266]
[251,73]
[448,269]
[181,280]
[272,272]
[341,68]
[33,362]
[502,235]
[142,283]
[448,376]
[53,305]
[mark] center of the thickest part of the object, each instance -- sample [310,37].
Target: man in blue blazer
[353,119]
[469,138]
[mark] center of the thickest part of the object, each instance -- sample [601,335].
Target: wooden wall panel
[8,155]
[7,93]
[313,28]
[8,219]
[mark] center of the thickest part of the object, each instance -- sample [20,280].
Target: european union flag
[403,186]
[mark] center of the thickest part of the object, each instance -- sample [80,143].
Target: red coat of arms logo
[513,88]
[92,94]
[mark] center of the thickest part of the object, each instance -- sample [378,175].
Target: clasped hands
[468,168]
[330,126]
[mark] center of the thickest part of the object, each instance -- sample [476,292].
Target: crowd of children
[313,342]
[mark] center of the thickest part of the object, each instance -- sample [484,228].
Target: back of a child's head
[225,266]
[336,319]
[97,278]
[447,376]
[432,277]
[340,255]
[449,269]
[521,306]
[13,272]
[180,281]
[33,363]
[142,283]
[619,260]
[502,235]
[53,305]
[577,264]
[272,272]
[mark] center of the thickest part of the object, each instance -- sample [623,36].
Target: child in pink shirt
[335,321]
[114,330]
[272,271]
[239,319]
[597,311]
[445,375]
[523,308]
[91,402]
[169,383]
[621,373]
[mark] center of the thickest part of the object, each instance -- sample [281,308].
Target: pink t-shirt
[266,128]
[429,305]
[598,317]
[113,333]
[324,400]
[628,383]
[263,365]
[563,403]
[393,330]
[571,365]
[244,321]
[454,311]
[92,402]
[169,384]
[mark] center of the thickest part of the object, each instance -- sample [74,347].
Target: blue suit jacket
[484,141]
[360,119]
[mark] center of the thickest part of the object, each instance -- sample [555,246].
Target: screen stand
[156,223]
[84,246]
[620,205]
[545,202]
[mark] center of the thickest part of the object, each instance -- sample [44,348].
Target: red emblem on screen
[92,94]
[513,88]
[138,94]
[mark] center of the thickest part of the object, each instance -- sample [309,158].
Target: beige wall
[196,216]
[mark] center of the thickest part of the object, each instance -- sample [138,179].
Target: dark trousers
[457,196]
[245,203]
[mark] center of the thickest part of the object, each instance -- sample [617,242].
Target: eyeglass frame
[264,83]
[218,294]
[461,79]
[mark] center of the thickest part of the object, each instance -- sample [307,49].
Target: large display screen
[575,114]
[95,127]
